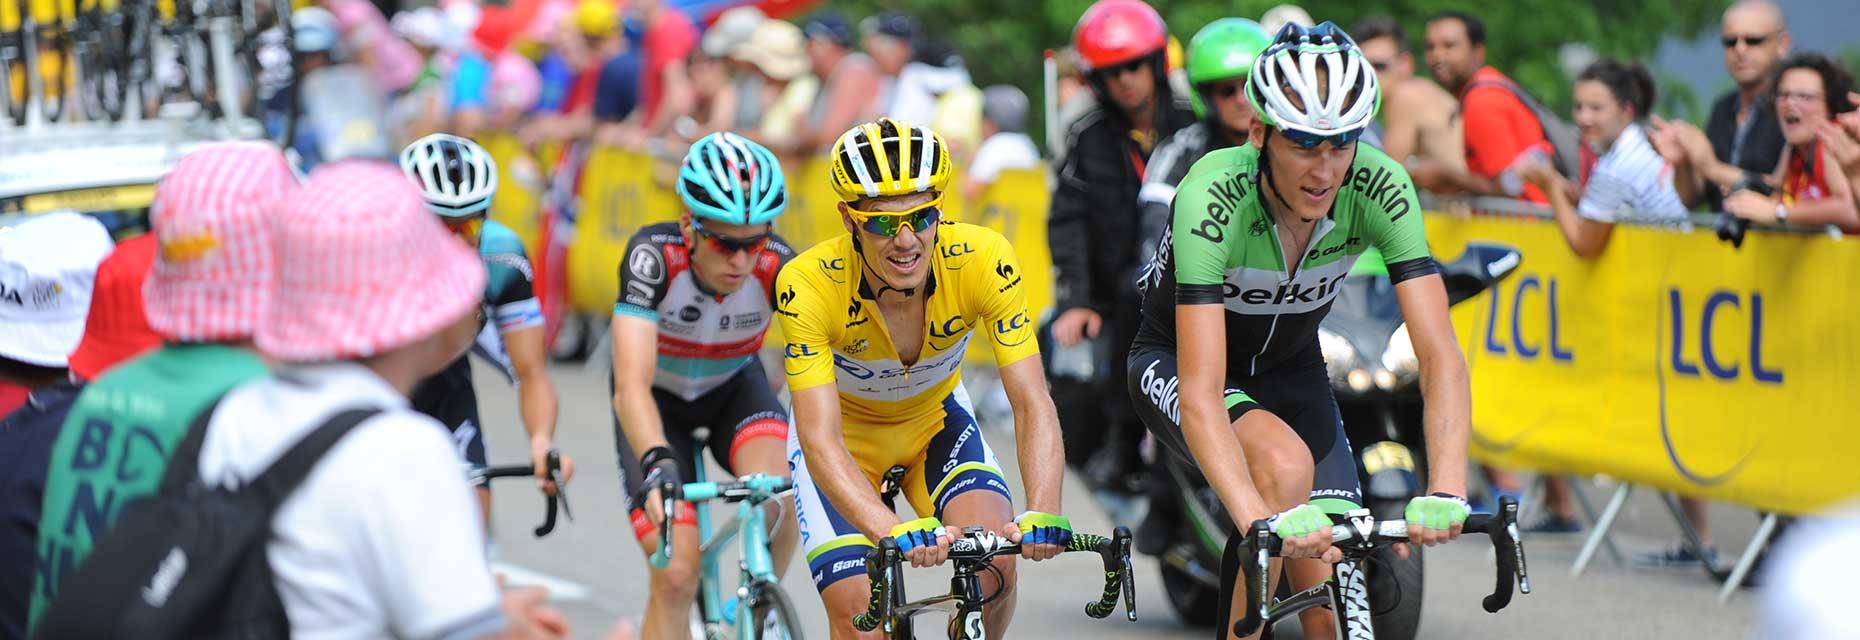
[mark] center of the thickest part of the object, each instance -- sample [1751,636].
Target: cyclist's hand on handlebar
[1040,535]
[664,463]
[539,460]
[924,541]
[1435,519]
[1306,532]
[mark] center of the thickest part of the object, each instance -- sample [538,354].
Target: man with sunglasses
[458,179]
[1227,371]
[696,296]
[1092,228]
[1743,138]
[877,323]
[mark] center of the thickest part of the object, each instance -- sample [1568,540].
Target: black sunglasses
[1228,90]
[1730,42]
[1117,70]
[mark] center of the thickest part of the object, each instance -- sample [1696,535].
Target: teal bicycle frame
[759,583]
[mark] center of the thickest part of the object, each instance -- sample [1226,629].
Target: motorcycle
[1375,378]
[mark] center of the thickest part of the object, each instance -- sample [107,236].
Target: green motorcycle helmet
[1223,50]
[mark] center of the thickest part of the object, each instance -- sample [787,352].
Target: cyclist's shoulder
[496,238]
[658,234]
[1222,174]
[1376,185]
[821,269]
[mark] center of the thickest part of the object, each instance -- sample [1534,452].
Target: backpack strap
[184,464]
[278,481]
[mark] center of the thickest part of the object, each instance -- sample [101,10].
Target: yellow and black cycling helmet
[889,157]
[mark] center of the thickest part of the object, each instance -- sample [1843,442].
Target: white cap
[1278,16]
[731,30]
[48,265]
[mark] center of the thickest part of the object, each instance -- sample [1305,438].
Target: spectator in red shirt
[1811,89]
[1499,127]
[665,83]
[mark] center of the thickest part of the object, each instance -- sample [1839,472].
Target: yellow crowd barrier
[1673,361]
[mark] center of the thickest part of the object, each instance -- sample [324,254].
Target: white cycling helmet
[1343,105]
[456,176]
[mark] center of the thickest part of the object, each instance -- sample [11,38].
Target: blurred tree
[1003,40]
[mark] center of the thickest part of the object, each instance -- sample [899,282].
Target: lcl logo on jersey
[947,331]
[955,250]
[835,269]
[1005,328]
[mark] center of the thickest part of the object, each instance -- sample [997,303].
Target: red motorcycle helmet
[1113,32]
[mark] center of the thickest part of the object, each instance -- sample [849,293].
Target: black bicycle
[972,554]
[1359,534]
[551,503]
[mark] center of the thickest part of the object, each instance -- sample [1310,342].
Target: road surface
[597,574]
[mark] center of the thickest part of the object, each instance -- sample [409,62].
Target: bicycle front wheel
[772,615]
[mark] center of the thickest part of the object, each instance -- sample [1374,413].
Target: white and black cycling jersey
[704,337]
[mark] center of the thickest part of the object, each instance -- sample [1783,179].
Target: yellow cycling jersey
[835,333]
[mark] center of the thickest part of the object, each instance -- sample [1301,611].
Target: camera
[1731,228]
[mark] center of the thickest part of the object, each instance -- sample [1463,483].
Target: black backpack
[189,561]
[1565,139]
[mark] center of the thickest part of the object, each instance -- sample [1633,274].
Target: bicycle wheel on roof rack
[102,65]
[13,71]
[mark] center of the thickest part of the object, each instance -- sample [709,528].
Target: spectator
[367,40]
[383,538]
[1811,89]
[205,293]
[714,104]
[888,38]
[1742,137]
[1093,229]
[116,328]
[848,83]
[1277,17]
[422,108]
[776,55]
[1627,175]
[48,264]
[1005,146]
[1418,117]
[728,35]
[665,85]
[571,74]
[1499,128]
[938,77]
[616,99]
[1842,138]
[1075,99]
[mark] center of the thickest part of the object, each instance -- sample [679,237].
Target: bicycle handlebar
[552,468]
[1368,533]
[755,488]
[884,563]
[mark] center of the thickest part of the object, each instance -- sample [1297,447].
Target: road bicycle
[770,615]
[971,555]
[1359,535]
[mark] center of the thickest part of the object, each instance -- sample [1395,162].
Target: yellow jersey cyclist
[695,299]
[1226,369]
[876,323]
[458,179]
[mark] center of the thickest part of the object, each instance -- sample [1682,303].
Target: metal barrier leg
[1686,532]
[1589,514]
[1601,529]
[1744,564]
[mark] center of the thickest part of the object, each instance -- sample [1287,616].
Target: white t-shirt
[384,537]
[1630,177]
[1002,152]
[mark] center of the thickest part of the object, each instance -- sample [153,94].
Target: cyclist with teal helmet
[1219,58]
[696,296]
[1226,369]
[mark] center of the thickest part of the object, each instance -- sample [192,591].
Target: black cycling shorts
[1301,397]
[742,409]
[448,397]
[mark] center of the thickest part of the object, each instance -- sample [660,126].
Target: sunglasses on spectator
[1730,42]
[1305,140]
[466,228]
[1227,90]
[889,223]
[727,245]
[1114,71]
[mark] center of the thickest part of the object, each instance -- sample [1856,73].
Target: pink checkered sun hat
[363,267]
[212,274]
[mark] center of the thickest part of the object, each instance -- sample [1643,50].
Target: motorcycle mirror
[1478,268]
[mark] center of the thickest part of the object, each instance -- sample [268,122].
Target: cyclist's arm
[817,416]
[1445,386]
[536,399]
[1036,434]
[1201,361]
[636,359]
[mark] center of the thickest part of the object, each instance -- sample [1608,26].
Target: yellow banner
[1674,360]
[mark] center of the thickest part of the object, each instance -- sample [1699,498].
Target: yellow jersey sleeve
[1002,299]
[802,307]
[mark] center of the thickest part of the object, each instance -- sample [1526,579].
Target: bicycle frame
[749,526]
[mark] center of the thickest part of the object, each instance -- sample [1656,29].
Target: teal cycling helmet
[728,178]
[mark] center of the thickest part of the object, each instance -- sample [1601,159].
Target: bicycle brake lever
[561,488]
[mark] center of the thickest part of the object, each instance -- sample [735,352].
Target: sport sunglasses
[1305,140]
[467,228]
[727,245]
[889,223]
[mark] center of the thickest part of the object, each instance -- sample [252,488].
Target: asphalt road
[597,574]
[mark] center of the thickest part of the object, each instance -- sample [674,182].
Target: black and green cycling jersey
[1223,248]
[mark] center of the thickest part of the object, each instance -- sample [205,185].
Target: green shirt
[1223,248]
[115,444]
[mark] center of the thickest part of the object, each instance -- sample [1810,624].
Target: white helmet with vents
[1335,87]
[456,176]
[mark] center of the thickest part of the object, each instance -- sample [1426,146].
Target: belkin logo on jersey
[1287,293]
[1381,185]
